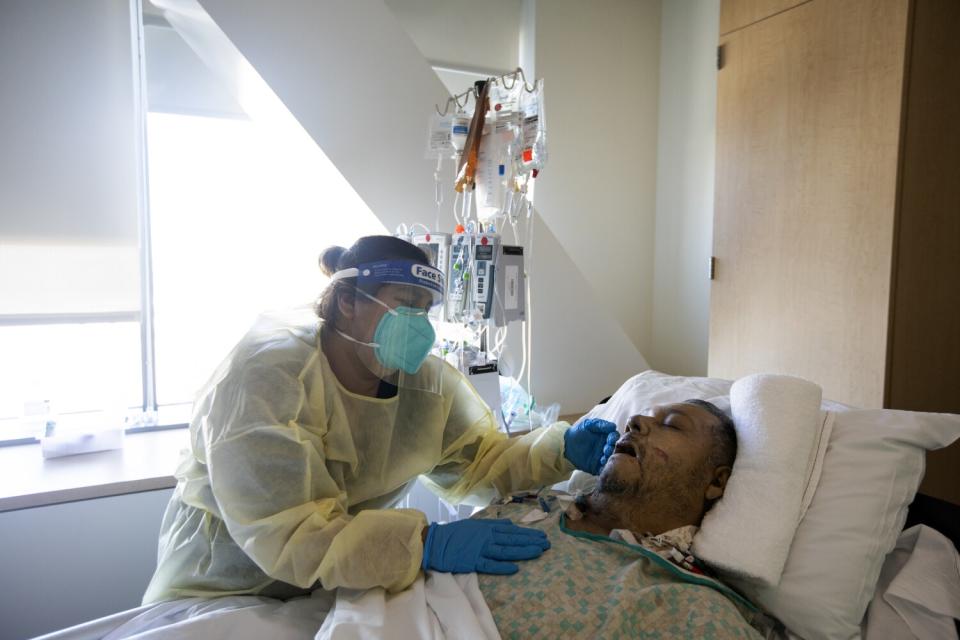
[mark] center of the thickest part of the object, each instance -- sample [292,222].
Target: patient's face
[663,455]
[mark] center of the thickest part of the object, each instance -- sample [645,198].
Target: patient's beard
[622,482]
[612,502]
[642,501]
[612,484]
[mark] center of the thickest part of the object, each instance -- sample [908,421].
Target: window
[239,209]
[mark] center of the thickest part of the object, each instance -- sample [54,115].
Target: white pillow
[652,388]
[873,466]
[749,531]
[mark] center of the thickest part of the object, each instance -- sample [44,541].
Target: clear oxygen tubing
[408,231]
[515,215]
[499,341]
[523,351]
[491,352]
[467,205]
[526,327]
[456,205]
[529,314]
[438,188]
[479,332]
[512,219]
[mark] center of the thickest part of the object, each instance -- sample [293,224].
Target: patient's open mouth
[626,447]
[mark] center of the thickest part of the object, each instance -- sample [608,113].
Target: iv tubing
[523,350]
[456,215]
[529,321]
[500,340]
[438,189]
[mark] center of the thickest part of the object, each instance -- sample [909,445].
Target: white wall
[461,48]
[685,169]
[461,33]
[600,65]
[377,143]
[69,563]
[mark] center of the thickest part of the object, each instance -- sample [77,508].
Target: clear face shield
[391,330]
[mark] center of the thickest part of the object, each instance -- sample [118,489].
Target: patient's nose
[640,425]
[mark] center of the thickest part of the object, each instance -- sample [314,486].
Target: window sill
[145,463]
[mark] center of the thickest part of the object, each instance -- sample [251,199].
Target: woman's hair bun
[330,258]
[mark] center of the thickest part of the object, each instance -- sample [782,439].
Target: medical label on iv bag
[532,152]
[459,128]
[529,137]
[439,136]
[490,178]
[530,128]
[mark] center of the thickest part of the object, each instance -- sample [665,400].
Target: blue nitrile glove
[589,443]
[484,546]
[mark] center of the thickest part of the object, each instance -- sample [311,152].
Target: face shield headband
[370,275]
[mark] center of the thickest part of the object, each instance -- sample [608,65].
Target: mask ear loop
[353,272]
[380,302]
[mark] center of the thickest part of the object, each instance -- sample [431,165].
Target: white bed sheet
[439,607]
[223,618]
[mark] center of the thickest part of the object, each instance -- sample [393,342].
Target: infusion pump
[484,278]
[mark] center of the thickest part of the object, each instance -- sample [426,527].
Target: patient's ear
[718,483]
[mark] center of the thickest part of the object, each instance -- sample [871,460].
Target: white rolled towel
[749,531]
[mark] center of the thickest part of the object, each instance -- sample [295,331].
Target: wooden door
[736,14]
[808,114]
[924,363]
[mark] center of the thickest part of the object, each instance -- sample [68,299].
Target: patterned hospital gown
[590,586]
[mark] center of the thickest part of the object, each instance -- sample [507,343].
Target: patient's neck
[604,512]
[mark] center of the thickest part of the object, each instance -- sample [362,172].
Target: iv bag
[491,175]
[532,151]
[459,128]
[439,137]
[501,135]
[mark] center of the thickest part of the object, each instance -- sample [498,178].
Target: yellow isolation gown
[289,479]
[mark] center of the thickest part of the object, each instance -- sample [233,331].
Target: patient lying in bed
[619,565]
[620,560]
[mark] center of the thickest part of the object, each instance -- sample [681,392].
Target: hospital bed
[256,617]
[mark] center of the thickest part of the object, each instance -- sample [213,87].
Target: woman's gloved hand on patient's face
[484,546]
[589,443]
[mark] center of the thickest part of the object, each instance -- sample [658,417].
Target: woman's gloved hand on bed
[484,546]
[589,443]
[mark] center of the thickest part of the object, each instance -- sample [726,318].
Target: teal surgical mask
[403,338]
